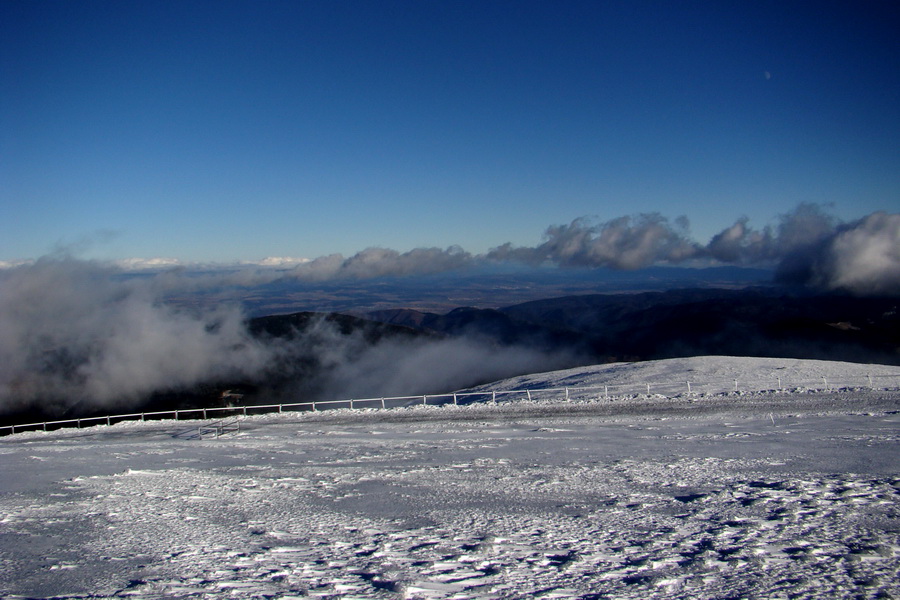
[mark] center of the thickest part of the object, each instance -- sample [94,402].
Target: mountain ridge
[695,321]
[312,354]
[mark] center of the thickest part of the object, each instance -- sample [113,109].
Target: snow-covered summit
[771,496]
[757,373]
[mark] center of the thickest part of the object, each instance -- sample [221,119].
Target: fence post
[382,403]
[870,381]
[648,389]
[826,383]
[494,397]
[314,406]
[689,388]
[204,414]
[735,385]
[108,421]
[779,382]
[351,403]
[529,394]
[606,392]
[567,394]
[454,399]
[79,423]
[424,400]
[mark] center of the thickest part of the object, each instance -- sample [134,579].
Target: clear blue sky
[223,131]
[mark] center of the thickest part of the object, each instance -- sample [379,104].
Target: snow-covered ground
[758,495]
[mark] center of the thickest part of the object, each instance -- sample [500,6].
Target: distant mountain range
[310,348]
[591,328]
[764,321]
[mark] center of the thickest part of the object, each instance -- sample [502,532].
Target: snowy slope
[710,374]
[712,495]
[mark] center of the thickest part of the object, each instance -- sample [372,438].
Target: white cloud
[277,261]
[141,264]
[12,264]
[865,256]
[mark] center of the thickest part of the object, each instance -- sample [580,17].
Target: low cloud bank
[622,243]
[325,363]
[76,336]
[863,256]
[381,262]
[807,246]
[71,332]
[74,331]
[395,368]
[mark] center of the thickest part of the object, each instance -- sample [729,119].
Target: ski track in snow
[759,496]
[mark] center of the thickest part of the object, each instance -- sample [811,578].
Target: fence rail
[220,428]
[666,389]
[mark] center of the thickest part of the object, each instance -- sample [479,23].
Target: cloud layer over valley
[75,331]
[72,331]
[77,336]
[806,246]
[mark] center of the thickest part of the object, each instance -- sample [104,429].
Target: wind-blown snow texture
[765,495]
